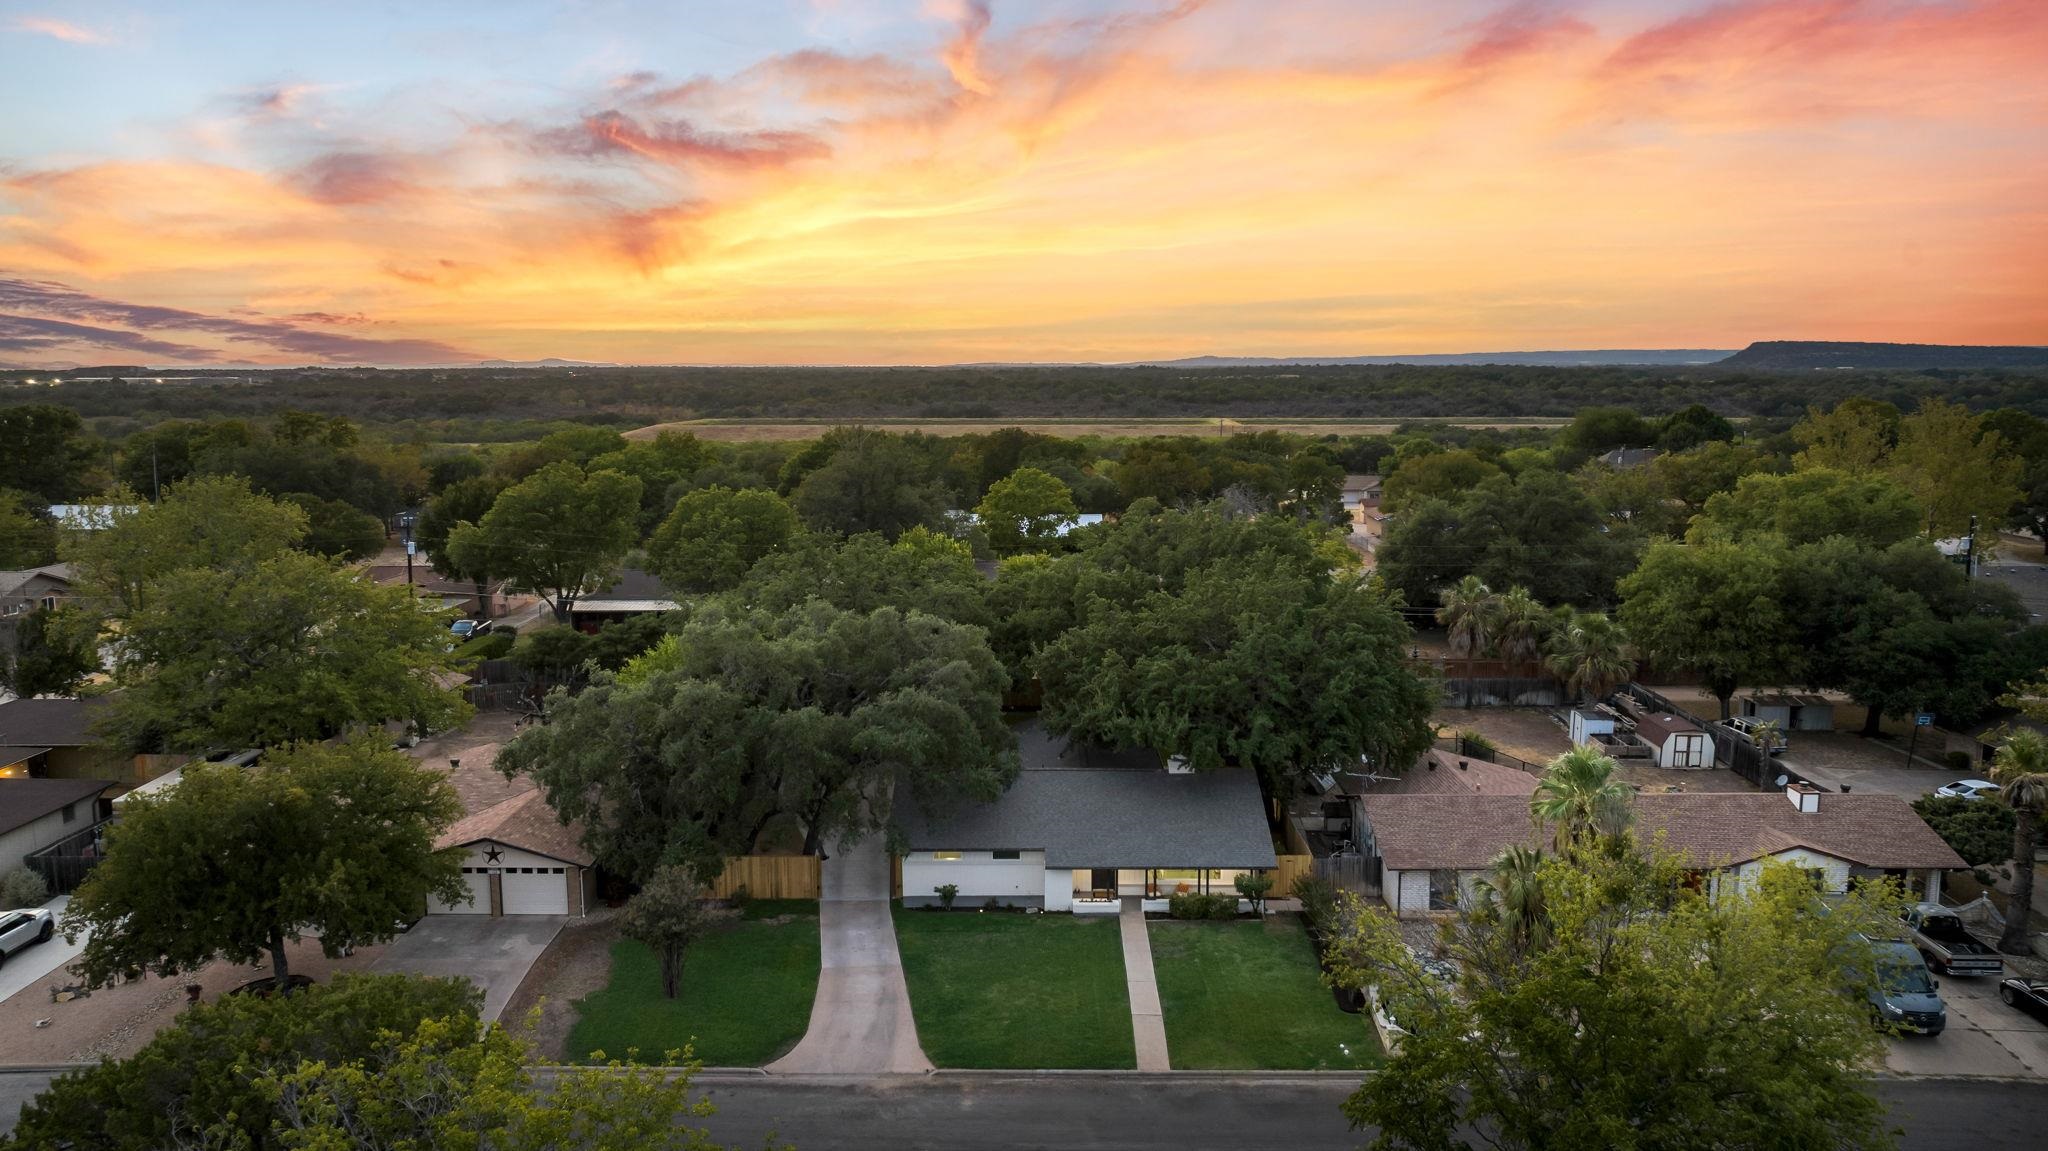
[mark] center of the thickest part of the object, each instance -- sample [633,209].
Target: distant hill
[1566,359]
[1801,355]
[548,363]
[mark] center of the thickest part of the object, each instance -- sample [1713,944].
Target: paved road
[1984,1037]
[860,1021]
[1172,1113]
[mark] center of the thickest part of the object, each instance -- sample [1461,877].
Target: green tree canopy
[922,571]
[212,522]
[464,501]
[1811,505]
[815,712]
[872,482]
[1956,468]
[200,1077]
[1691,426]
[331,840]
[560,531]
[291,649]
[663,465]
[28,537]
[338,530]
[45,451]
[55,650]
[1676,1020]
[1980,832]
[1288,673]
[1025,510]
[1446,475]
[714,535]
[1715,607]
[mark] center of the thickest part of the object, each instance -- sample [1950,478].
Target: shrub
[1198,905]
[739,897]
[1979,830]
[1475,743]
[947,892]
[1318,898]
[21,887]
[1959,762]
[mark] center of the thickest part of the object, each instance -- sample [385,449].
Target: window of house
[946,856]
[1443,889]
[1009,854]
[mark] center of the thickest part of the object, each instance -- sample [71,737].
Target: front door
[1102,881]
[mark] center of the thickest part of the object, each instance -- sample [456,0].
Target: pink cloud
[58,29]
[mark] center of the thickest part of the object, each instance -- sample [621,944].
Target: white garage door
[535,891]
[479,883]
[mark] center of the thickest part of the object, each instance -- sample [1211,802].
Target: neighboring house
[1675,741]
[1360,492]
[520,860]
[1081,828]
[22,592]
[636,592]
[1440,772]
[1792,712]
[35,813]
[1622,459]
[1432,849]
[58,735]
[90,517]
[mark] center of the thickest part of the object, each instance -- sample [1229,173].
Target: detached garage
[521,860]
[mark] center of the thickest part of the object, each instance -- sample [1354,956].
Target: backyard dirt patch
[114,1022]
[1528,733]
[576,963]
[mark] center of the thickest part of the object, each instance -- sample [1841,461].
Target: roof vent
[1461,765]
[1179,765]
[1804,796]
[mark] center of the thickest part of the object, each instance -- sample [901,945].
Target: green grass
[1017,991]
[745,997]
[1245,996]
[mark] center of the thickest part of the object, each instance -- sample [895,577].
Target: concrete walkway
[860,1022]
[1148,1023]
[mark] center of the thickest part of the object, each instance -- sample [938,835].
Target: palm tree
[1511,896]
[1468,612]
[1522,626]
[1590,654]
[2020,769]
[1579,794]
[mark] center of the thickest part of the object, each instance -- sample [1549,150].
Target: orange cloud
[58,29]
[1174,179]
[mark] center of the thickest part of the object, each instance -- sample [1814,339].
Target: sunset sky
[936,181]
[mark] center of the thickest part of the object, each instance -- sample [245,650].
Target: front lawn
[1005,990]
[745,997]
[1246,996]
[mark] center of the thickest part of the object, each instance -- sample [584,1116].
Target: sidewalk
[1148,1022]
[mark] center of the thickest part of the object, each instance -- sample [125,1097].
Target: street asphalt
[1086,1112]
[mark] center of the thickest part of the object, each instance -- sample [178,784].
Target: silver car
[1969,789]
[18,929]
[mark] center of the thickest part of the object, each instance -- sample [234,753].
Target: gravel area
[114,1022]
[576,963]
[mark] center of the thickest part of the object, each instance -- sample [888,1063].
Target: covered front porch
[1101,890]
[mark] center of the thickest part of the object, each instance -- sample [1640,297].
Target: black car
[2029,995]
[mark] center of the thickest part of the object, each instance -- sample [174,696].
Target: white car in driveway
[1968,789]
[18,929]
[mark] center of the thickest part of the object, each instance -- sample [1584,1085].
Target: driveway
[860,1022]
[1835,758]
[1984,1037]
[495,954]
[26,967]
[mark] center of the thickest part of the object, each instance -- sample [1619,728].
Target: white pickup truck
[1947,945]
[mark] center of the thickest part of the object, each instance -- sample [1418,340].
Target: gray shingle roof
[1109,817]
[23,801]
[49,722]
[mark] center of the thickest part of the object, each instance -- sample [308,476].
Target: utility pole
[1970,552]
[405,524]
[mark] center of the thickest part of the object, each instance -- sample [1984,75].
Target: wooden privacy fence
[769,877]
[1290,867]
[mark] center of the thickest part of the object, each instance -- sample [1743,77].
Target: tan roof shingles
[526,822]
[1441,773]
[1417,832]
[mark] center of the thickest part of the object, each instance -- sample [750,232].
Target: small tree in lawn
[333,840]
[668,915]
[1254,885]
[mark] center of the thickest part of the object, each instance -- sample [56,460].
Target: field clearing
[750,431]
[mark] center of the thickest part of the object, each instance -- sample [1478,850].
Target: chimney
[1804,796]
[1461,765]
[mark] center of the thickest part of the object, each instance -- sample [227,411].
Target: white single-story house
[1360,491]
[1676,741]
[635,592]
[1080,830]
[35,813]
[1432,848]
[521,860]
